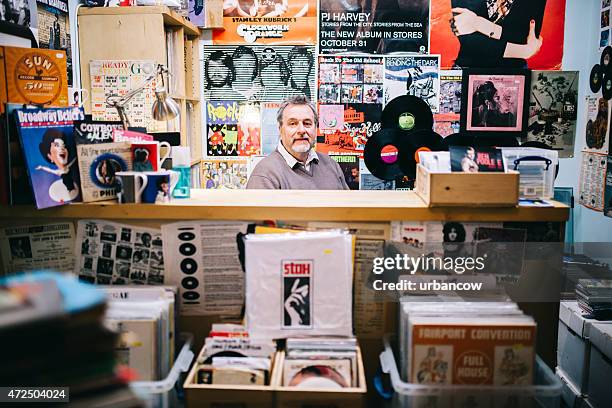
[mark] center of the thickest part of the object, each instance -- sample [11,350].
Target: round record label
[407,113]
[414,142]
[381,153]
[606,86]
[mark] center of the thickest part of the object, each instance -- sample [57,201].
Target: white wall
[580,54]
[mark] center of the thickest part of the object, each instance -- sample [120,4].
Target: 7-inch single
[412,144]
[606,57]
[407,113]
[606,85]
[595,78]
[381,153]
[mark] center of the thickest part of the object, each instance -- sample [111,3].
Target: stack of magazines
[595,297]
[52,336]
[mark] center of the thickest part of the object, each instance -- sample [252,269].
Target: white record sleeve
[299,284]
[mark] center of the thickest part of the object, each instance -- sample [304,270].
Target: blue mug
[159,186]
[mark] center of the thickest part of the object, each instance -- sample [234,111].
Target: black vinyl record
[412,144]
[606,58]
[606,86]
[596,78]
[407,113]
[381,153]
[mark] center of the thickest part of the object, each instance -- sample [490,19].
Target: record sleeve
[319,373]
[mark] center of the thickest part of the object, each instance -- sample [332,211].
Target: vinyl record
[595,78]
[407,113]
[459,139]
[606,86]
[606,57]
[412,144]
[381,153]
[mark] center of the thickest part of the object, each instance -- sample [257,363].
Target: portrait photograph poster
[549,24]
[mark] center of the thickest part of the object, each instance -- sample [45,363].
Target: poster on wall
[592,180]
[233,128]
[597,132]
[224,174]
[608,189]
[374,27]
[553,110]
[350,102]
[413,75]
[270,133]
[258,73]
[458,39]
[54,29]
[274,22]
[446,121]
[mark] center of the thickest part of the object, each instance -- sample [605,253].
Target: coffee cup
[146,156]
[131,186]
[159,186]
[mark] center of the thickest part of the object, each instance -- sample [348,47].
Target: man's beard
[301,147]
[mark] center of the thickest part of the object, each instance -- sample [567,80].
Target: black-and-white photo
[143,239]
[22,12]
[297,293]
[157,242]
[156,276]
[157,258]
[119,281]
[107,250]
[88,263]
[141,256]
[124,252]
[108,236]
[91,229]
[123,269]
[20,247]
[138,276]
[103,280]
[105,266]
[126,235]
[258,73]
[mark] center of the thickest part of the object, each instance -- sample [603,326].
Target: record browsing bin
[274,394]
[467,189]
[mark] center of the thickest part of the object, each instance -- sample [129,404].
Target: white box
[600,368]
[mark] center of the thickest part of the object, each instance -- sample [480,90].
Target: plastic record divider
[545,392]
[157,393]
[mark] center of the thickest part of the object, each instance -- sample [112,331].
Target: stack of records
[328,363]
[468,343]
[53,336]
[595,297]
[229,357]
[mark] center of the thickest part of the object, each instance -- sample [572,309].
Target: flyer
[413,75]
[37,247]
[274,22]
[597,132]
[592,180]
[608,189]
[374,27]
[234,128]
[446,121]
[257,72]
[118,254]
[209,274]
[224,174]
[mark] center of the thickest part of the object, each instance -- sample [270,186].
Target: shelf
[292,205]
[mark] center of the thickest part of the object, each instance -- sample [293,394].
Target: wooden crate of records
[467,189]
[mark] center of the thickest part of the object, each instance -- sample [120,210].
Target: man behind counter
[294,164]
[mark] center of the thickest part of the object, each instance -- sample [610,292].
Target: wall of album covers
[353,58]
[588,172]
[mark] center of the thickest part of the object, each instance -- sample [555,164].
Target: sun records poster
[413,75]
[373,26]
[274,22]
[549,16]
[258,73]
[233,128]
[350,102]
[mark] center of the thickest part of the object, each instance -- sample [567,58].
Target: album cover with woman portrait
[495,101]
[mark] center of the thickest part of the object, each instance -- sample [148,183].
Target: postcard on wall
[592,180]
[118,254]
[597,132]
[265,74]
[118,77]
[233,128]
[224,174]
[446,121]
[413,75]
[268,22]
[553,110]
[270,133]
[47,141]
[608,189]
[38,247]
[210,276]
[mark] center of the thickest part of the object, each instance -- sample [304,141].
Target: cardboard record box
[34,76]
[294,397]
[467,189]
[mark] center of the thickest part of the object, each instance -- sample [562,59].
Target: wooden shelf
[293,205]
[171,18]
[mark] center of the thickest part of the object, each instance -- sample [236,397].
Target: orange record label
[36,76]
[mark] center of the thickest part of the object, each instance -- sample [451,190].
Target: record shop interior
[306,203]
